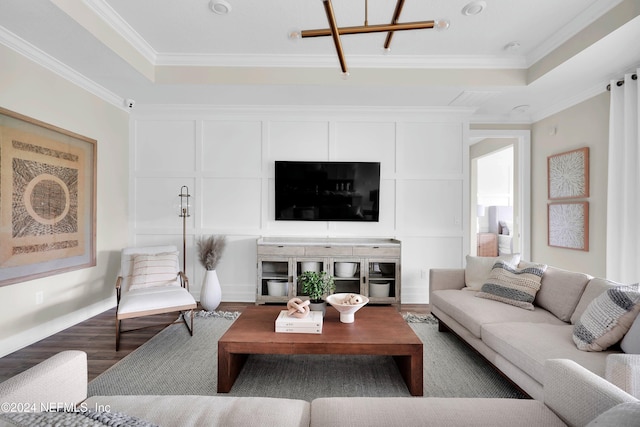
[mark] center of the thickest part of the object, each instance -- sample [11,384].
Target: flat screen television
[327,191]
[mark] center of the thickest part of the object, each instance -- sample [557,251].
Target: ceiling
[171,52]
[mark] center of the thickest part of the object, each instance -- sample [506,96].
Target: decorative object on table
[347,304]
[184,212]
[569,225]
[298,308]
[316,285]
[346,269]
[568,174]
[210,251]
[311,324]
[48,199]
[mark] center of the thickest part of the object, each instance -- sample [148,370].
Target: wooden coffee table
[376,331]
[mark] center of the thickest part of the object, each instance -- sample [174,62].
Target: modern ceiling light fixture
[335,32]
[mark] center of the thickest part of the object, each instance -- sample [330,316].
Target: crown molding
[41,58]
[582,21]
[108,15]
[569,102]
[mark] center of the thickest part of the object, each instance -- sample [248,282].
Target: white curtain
[623,201]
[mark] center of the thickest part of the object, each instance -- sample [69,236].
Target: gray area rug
[173,363]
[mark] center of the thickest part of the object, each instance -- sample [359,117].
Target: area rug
[174,363]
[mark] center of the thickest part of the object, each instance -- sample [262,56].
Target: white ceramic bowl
[347,311]
[346,269]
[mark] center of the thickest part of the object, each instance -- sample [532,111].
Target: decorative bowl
[347,311]
[346,269]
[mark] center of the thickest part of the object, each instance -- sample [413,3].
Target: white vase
[211,293]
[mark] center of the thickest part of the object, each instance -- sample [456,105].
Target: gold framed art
[568,174]
[47,199]
[568,225]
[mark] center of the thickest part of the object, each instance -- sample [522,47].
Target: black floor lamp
[185,206]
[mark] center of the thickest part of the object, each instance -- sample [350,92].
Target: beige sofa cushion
[223,411]
[402,411]
[477,269]
[528,345]
[472,312]
[560,291]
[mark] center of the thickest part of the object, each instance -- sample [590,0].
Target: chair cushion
[622,415]
[155,300]
[478,268]
[154,270]
[512,285]
[607,318]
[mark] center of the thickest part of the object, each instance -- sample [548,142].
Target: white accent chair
[149,292]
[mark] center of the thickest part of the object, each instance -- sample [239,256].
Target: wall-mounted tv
[327,191]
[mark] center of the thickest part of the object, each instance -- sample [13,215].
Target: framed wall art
[47,199]
[568,225]
[568,174]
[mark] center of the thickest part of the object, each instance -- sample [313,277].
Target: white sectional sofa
[518,341]
[572,396]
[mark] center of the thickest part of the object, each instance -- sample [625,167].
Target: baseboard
[30,336]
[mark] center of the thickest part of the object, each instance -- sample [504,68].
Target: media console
[376,264]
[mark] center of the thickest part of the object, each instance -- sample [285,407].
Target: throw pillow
[607,318]
[478,268]
[512,285]
[621,415]
[631,342]
[153,270]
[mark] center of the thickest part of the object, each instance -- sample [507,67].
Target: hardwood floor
[96,337]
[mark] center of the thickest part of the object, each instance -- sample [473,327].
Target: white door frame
[523,161]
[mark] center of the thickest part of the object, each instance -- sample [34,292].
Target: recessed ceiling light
[220,7]
[474,8]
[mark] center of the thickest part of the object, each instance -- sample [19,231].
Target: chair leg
[117,334]
[184,319]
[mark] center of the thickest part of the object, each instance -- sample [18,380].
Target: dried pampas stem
[210,250]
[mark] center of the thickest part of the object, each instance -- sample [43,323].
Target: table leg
[411,370]
[229,367]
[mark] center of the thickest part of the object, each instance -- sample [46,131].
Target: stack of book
[312,324]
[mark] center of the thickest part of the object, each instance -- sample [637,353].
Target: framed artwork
[47,199]
[568,225]
[568,174]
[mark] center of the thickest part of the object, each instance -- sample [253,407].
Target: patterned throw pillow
[153,270]
[607,318]
[512,285]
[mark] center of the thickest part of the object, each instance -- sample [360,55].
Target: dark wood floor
[96,337]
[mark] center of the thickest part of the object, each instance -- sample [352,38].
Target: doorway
[486,147]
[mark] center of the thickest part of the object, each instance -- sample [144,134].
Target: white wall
[226,158]
[69,298]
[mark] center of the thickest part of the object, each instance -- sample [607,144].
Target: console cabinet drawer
[376,251]
[328,251]
[280,250]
